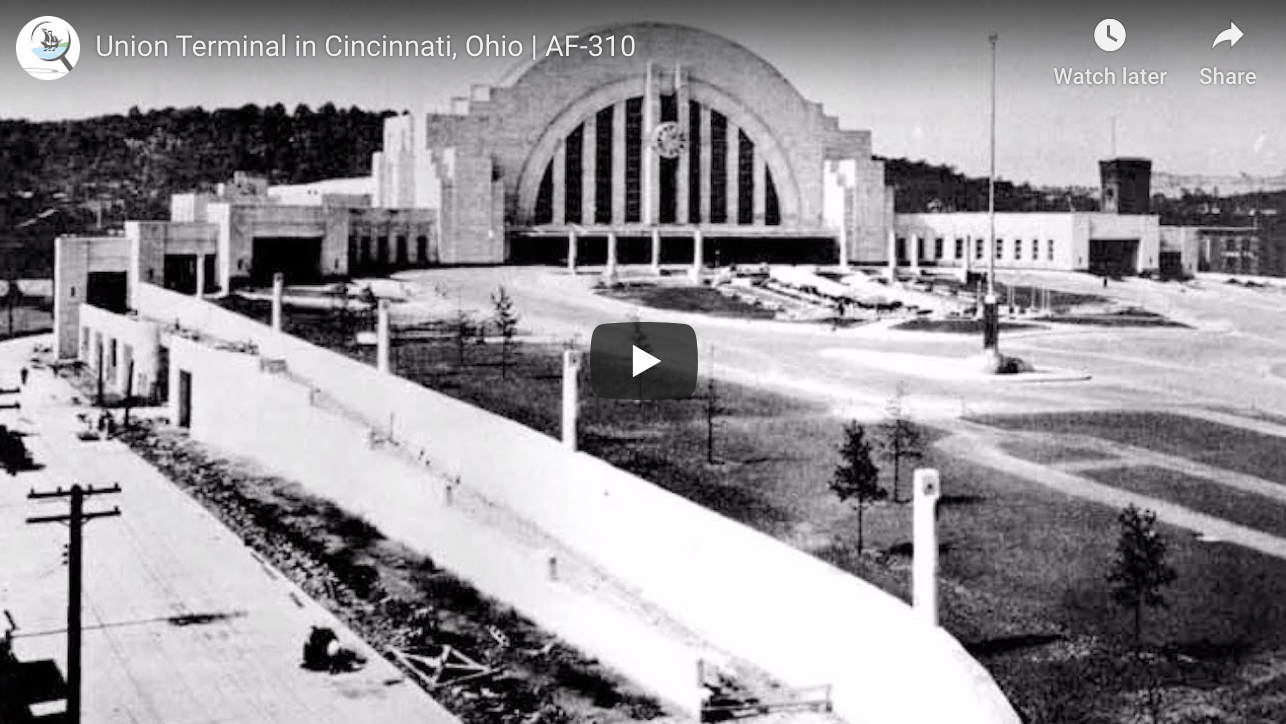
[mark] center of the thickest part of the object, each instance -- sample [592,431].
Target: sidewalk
[182,622]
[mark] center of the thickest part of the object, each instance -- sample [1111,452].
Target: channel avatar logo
[48,48]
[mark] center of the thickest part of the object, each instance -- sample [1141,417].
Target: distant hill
[64,176]
[1175,186]
[922,186]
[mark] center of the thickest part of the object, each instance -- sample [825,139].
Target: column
[571,251]
[588,170]
[685,160]
[698,256]
[892,272]
[560,184]
[656,251]
[924,562]
[278,282]
[651,171]
[705,171]
[734,166]
[200,275]
[843,246]
[382,337]
[611,256]
[966,261]
[915,254]
[618,164]
[760,184]
[571,397]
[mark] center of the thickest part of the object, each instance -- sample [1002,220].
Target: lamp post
[991,322]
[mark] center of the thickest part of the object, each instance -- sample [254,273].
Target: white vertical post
[611,257]
[278,284]
[843,246]
[382,338]
[571,251]
[571,398]
[698,256]
[656,251]
[915,254]
[200,275]
[924,564]
[892,272]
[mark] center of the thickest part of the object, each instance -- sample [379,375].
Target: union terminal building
[691,138]
[693,150]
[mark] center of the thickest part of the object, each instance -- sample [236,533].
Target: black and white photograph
[574,362]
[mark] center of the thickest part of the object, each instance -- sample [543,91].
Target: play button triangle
[643,361]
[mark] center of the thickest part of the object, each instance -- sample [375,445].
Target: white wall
[270,418]
[75,258]
[1030,228]
[800,619]
[136,340]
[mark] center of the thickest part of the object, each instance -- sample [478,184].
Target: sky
[915,72]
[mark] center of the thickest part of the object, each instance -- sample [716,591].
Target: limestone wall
[798,618]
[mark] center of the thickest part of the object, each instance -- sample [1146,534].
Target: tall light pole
[991,322]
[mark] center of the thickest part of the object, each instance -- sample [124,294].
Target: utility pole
[990,316]
[99,363]
[129,391]
[75,520]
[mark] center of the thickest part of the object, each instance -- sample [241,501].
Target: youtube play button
[643,361]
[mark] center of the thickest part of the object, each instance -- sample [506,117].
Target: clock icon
[1110,35]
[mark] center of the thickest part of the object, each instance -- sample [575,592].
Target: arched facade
[692,135]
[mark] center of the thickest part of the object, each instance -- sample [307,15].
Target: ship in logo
[51,41]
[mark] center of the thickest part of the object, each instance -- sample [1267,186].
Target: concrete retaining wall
[800,619]
[241,408]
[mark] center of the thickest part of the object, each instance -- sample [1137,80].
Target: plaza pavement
[1225,367]
[183,624]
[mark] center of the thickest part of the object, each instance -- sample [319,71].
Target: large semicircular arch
[579,111]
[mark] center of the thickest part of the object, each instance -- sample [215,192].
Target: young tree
[1139,571]
[506,324]
[341,305]
[370,305]
[857,478]
[712,410]
[461,331]
[899,439]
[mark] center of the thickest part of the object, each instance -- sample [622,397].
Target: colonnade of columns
[914,254]
[698,253]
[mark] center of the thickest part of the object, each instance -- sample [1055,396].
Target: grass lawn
[958,326]
[688,299]
[1132,319]
[1047,453]
[1199,494]
[1023,568]
[1223,446]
